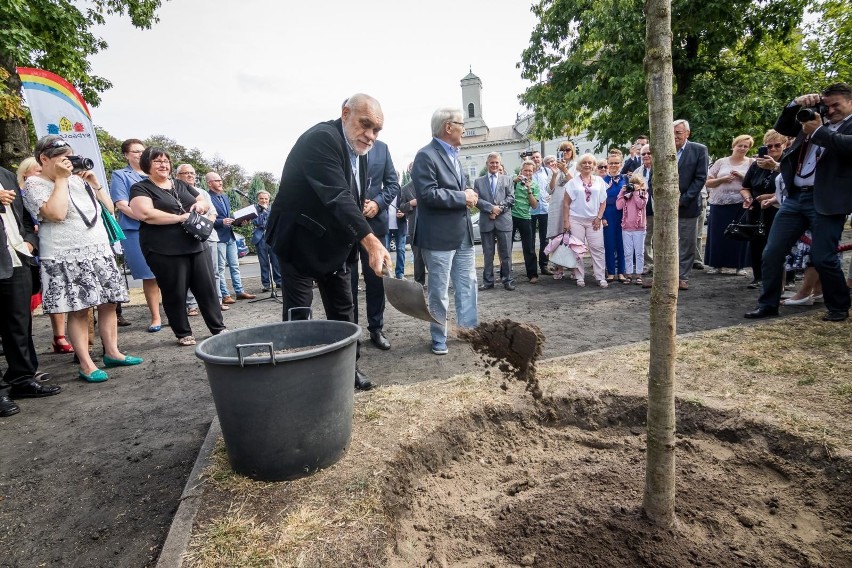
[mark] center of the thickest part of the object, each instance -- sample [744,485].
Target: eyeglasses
[186,174]
[646,153]
[163,161]
[135,151]
[457,122]
[214,180]
[615,163]
[771,146]
[602,167]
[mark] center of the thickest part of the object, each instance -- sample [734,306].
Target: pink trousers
[581,227]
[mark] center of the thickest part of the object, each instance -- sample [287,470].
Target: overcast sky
[243,79]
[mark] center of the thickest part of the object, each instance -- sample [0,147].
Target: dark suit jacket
[223,210]
[504,197]
[833,176]
[649,207]
[406,194]
[317,217]
[25,226]
[692,174]
[382,185]
[443,220]
[631,165]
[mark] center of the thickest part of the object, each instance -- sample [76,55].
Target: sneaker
[740,272]
[711,270]
[581,283]
[603,284]
[439,348]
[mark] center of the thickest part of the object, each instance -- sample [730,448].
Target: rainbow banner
[57,108]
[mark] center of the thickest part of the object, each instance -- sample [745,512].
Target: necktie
[493,187]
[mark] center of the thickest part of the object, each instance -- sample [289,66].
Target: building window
[470,113]
[469,133]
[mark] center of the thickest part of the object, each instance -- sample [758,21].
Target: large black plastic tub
[283,415]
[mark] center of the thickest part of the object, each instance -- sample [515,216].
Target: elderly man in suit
[382,188]
[18,244]
[692,163]
[496,196]
[817,172]
[317,222]
[444,231]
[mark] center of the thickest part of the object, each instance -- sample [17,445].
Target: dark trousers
[178,273]
[613,241]
[267,258]
[374,291]
[797,214]
[525,229]
[503,240]
[757,244]
[335,291]
[419,264]
[16,327]
[539,223]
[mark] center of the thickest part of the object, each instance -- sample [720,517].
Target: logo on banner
[65,128]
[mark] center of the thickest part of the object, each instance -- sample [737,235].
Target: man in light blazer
[496,196]
[444,231]
[817,173]
[692,164]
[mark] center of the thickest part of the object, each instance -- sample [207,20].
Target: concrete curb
[171,556]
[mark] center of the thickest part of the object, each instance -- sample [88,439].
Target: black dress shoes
[545,271]
[486,286]
[32,389]
[8,407]
[362,382]
[761,312]
[121,321]
[835,316]
[509,286]
[379,340]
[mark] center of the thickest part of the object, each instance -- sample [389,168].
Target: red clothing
[633,206]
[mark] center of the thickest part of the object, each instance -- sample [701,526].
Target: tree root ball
[513,346]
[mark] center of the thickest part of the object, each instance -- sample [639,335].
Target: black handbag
[742,230]
[198,226]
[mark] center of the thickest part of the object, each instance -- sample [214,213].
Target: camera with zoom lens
[631,187]
[526,154]
[810,113]
[80,164]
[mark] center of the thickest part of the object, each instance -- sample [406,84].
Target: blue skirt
[720,251]
[133,257]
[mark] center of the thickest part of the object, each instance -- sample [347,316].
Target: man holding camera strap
[817,172]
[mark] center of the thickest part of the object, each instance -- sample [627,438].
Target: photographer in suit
[316,222]
[496,196]
[817,172]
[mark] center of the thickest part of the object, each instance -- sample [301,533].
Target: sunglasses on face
[58,143]
[772,146]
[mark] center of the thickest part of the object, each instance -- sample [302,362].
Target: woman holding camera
[724,182]
[179,261]
[78,269]
[759,186]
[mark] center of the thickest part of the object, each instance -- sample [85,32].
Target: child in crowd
[632,200]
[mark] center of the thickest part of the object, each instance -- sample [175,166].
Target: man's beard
[354,145]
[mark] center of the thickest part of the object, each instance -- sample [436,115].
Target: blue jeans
[399,237]
[458,266]
[228,255]
[797,213]
[265,257]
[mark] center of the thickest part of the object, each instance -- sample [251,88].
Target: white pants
[634,243]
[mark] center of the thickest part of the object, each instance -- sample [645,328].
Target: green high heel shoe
[96,376]
[129,360]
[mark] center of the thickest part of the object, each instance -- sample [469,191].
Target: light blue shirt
[453,154]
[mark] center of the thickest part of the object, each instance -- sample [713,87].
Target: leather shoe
[121,321]
[683,285]
[835,316]
[8,407]
[509,286]
[228,300]
[761,312]
[32,389]
[362,382]
[697,265]
[245,296]
[379,340]
[545,271]
[486,286]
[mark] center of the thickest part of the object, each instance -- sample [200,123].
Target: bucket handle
[247,345]
[308,308]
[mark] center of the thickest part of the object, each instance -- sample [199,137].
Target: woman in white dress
[78,268]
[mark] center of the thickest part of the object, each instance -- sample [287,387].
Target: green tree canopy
[586,64]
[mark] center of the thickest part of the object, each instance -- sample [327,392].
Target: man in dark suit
[496,196]
[317,222]
[634,160]
[18,244]
[817,173]
[382,188]
[692,163]
[444,231]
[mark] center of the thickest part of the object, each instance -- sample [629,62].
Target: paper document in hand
[245,214]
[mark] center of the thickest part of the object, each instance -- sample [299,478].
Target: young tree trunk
[659,498]
[14,138]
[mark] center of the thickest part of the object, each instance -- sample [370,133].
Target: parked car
[242,248]
[477,237]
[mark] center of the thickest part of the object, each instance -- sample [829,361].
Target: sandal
[638,280]
[627,280]
[192,312]
[558,275]
[186,341]
[623,280]
[61,347]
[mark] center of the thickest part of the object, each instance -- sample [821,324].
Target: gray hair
[683,122]
[494,155]
[180,167]
[262,192]
[442,116]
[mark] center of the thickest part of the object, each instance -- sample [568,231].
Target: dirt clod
[512,346]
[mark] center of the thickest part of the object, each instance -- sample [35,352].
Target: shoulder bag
[742,230]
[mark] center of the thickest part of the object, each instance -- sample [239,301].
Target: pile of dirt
[511,347]
[518,488]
